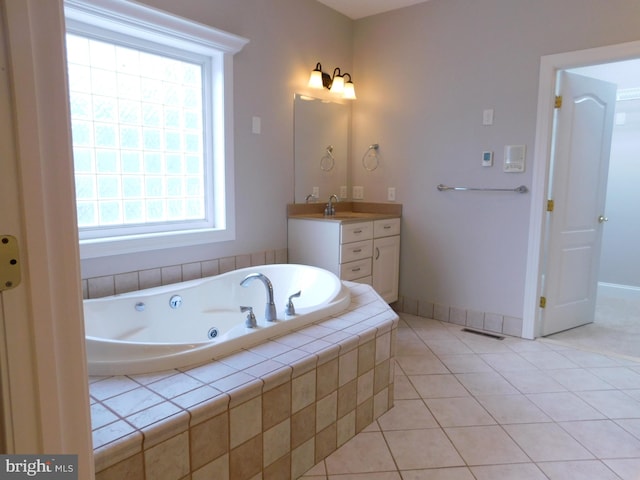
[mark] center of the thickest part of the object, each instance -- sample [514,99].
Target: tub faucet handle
[290,309]
[250,322]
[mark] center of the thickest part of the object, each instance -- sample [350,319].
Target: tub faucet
[270,314]
[330,209]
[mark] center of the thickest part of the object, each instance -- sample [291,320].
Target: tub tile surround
[271,411]
[106,285]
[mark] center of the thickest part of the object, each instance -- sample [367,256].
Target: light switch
[256,125]
[487,116]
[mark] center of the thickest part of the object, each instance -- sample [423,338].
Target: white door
[579,170]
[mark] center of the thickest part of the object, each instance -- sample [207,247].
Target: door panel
[584,126]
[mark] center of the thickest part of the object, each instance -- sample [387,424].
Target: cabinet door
[386,267]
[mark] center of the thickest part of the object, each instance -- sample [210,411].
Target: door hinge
[543,302]
[9,262]
[558,101]
[550,205]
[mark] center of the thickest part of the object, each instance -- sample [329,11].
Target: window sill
[103,247]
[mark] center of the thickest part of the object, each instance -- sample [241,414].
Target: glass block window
[151,106]
[137,124]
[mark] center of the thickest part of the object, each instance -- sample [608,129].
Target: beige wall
[427,72]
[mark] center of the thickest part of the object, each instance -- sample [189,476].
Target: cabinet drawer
[386,228]
[353,232]
[354,270]
[356,251]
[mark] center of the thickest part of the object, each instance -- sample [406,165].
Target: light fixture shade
[349,91]
[337,86]
[315,80]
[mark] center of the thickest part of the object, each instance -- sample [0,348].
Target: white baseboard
[618,291]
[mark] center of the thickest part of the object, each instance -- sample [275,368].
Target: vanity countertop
[346,212]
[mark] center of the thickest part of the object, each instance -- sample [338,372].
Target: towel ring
[371,158]
[328,161]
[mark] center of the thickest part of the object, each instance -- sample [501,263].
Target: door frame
[549,67]
[45,394]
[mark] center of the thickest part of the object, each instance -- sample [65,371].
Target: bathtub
[198,320]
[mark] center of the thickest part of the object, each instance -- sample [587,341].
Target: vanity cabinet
[359,251]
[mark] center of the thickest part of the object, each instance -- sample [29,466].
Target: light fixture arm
[336,83]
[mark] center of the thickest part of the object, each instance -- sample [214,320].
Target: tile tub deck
[271,411]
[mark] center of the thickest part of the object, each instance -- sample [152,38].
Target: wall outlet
[343,191]
[315,191]
[391,194]
[358,193]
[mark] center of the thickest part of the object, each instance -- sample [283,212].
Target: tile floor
[472,407]
[616,327]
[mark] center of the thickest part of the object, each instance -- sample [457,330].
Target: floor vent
[485,334]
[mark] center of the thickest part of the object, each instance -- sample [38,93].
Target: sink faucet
[270,314]
[330,209]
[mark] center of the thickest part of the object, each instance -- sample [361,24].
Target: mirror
[321,146]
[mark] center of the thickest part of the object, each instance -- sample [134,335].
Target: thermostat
[487,159]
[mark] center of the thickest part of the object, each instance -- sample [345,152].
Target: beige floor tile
[547,442]
[459,412]
[478,344]
[403,388]
[631,425]
[627,468]
[438,386]
[518,471]
[508,362]
[407,415]
[512,409]
[448,347]
[520,345]
[604,438]
[367,476]
[488,445]
[452,473]
[418,449]
[364,453]
[590,359]
[619,377]
[420,365]
[612,403]
[579,379]
[533,382]
[581,470]
[564,406]
[465,363]
[486,383]
[548,360]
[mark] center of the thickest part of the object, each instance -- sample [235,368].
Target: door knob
[602,219]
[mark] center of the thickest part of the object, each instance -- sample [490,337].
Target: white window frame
[134,20]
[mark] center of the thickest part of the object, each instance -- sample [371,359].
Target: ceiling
[356,9]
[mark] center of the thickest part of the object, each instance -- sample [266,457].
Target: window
[151,125]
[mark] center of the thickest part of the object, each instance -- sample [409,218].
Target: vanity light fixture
[335,83]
